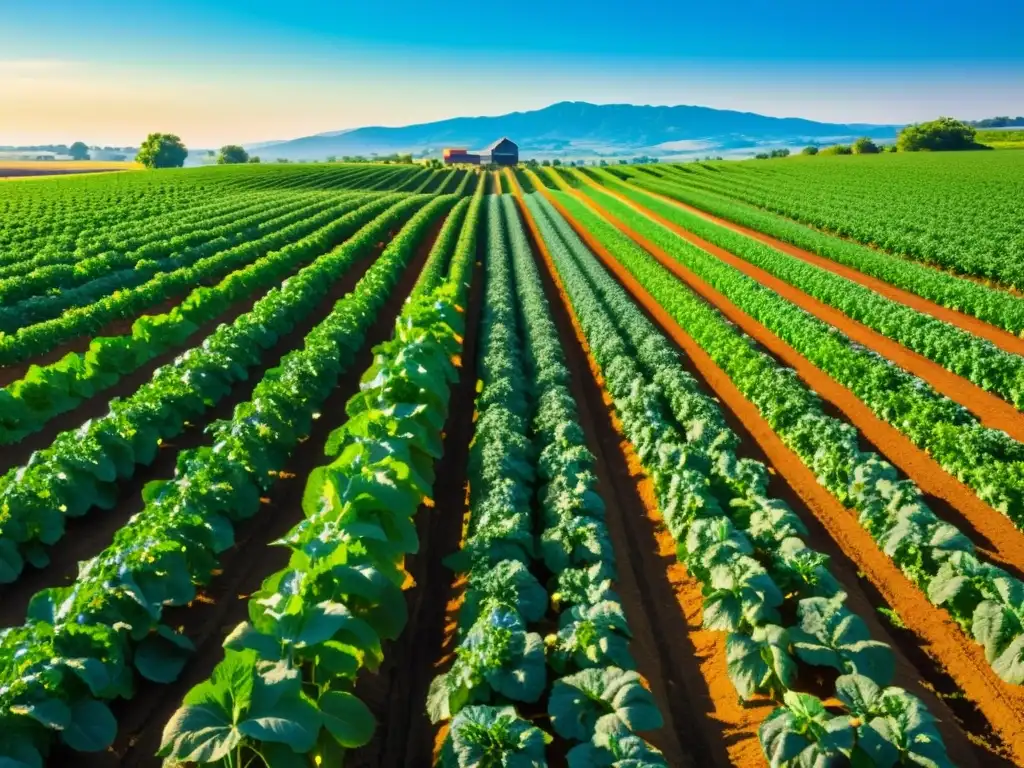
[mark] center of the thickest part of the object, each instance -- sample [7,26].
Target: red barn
[452,156]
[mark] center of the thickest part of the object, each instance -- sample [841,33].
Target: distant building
[452,156]
[501,152]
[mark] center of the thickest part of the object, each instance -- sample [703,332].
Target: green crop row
[973,227]
[743,546]
[977,360]
[81,468]
[284,690]
[987,460]
[42,337]
[1000,308]
[83,644]
[46,391]
[984,599]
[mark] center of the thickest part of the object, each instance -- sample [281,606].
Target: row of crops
[958,212]
[226,399]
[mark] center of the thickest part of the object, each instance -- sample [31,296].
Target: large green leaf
[199,734]
[830,634]
[92,727]
[162,655]
[761,662]
[347,718]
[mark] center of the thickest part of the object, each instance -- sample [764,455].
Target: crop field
[31,169]
[636,466]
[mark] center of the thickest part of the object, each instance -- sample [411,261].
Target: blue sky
[214,72]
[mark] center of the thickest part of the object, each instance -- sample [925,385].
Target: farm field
[24,169]
[380,465]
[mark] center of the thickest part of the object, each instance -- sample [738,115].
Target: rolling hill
[575,128]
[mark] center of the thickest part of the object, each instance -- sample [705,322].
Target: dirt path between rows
[397,694]
[990,409]
[224,603]
[1000,704]
[992,531]
[1001,338]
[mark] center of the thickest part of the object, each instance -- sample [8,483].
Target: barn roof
[496,144]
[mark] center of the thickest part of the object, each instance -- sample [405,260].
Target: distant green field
[957,210]
[1001,139]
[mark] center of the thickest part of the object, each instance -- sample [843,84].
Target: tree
[254,159]
[837,149]
[232,154]
[79,151]
[864,146]
[780,152]
[811,150]
[940,135]
[556,161]
[162,150]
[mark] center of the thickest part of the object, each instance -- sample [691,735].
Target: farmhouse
[502,152]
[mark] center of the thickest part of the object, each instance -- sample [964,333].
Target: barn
[501,152]
[452,156]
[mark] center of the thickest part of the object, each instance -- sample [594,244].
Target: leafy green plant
[601,699]
[482,736]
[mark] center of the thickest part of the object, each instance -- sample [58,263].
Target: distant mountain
[579,129]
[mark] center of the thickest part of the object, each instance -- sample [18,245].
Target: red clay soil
[1002,705]
[699,704]
[997,534]
[397,694]
[997,336]
[991,410]
[224,603]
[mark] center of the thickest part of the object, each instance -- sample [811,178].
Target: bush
[942,135]
[811,150]
[865,146]
[761,156]
[837,149]
[780,153]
